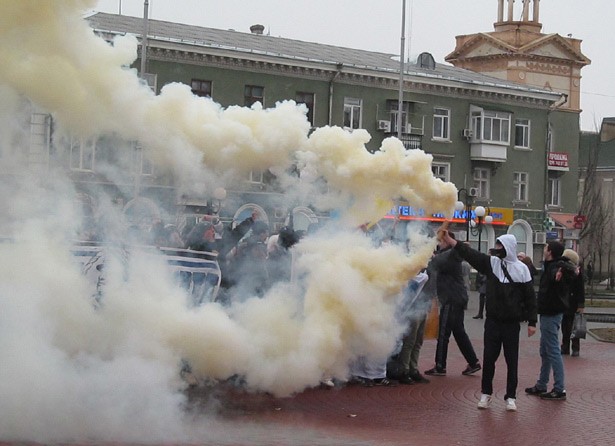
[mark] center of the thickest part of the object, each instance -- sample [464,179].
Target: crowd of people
[251,260]
[507,297]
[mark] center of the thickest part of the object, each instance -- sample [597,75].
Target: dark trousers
[497,335]
[481,304]
[451,321]
[567,322]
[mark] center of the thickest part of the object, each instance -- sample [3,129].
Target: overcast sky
[431,25]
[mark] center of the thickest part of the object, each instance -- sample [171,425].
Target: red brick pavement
[444,412]
[440,413]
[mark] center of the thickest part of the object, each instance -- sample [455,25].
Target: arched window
[247,210]
[141,212]
[303,217]
[522,231]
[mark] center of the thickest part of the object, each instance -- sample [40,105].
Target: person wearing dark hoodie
[509,299]
[553,302]
[445,267]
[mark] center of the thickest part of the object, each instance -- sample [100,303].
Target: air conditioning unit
[540,238]
[468,133]
[473,192]
[384,125]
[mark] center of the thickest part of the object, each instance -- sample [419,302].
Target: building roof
[296,51]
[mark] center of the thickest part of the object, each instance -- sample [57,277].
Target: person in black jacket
[445,266]
[509,299]
[553,298]
[575,305]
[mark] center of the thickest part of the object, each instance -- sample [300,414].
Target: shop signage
[501,216]
[558,159]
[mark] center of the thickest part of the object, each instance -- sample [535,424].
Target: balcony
[487,151]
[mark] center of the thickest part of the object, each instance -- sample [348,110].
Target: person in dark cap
[553,302]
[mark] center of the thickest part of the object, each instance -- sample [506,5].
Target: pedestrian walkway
[441,413]
[444,412]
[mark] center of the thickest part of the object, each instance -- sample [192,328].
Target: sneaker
[418,378]
[470,369]
[511,405]
[535,391]
[360,381]
[435,372]
[554,395]
[485,401]
[327,383]
[384,382]
[406,380]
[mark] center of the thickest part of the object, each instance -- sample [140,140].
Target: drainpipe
[337,73]
[556,105]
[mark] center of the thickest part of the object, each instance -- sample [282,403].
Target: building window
[253,94]
[522,133]
[82,154]
[307,99]
[441,123]
[550,138]
[255,176]
[554,192]
[40,138]
[520,186]
[141,165]
[491,126]
[393,109]
[441,170]
[201,88]
[481,182]
[352,113]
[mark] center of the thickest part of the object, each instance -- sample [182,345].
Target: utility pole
[401,69]
[144,37]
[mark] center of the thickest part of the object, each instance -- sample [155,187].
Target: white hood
[518,271]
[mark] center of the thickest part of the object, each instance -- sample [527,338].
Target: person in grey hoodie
[510,298]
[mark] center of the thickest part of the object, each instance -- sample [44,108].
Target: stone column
[536,18]
[500,11]
[526,10]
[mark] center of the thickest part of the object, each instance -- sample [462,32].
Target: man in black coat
[445,266]
[553,302]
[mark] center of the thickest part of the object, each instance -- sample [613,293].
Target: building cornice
[386,79]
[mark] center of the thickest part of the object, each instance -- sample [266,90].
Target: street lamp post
[481,215]
[482,218]
[465,204]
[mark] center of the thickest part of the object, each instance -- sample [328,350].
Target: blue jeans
[550,353]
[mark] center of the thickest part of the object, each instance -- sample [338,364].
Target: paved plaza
[442,413]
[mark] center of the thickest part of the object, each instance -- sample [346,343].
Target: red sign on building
[558,159]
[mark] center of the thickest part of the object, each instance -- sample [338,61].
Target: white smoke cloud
[72,371]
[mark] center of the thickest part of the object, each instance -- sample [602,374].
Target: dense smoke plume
[74,371]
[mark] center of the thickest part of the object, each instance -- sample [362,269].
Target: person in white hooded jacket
[510,299]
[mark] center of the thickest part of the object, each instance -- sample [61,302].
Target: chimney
[257,29]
